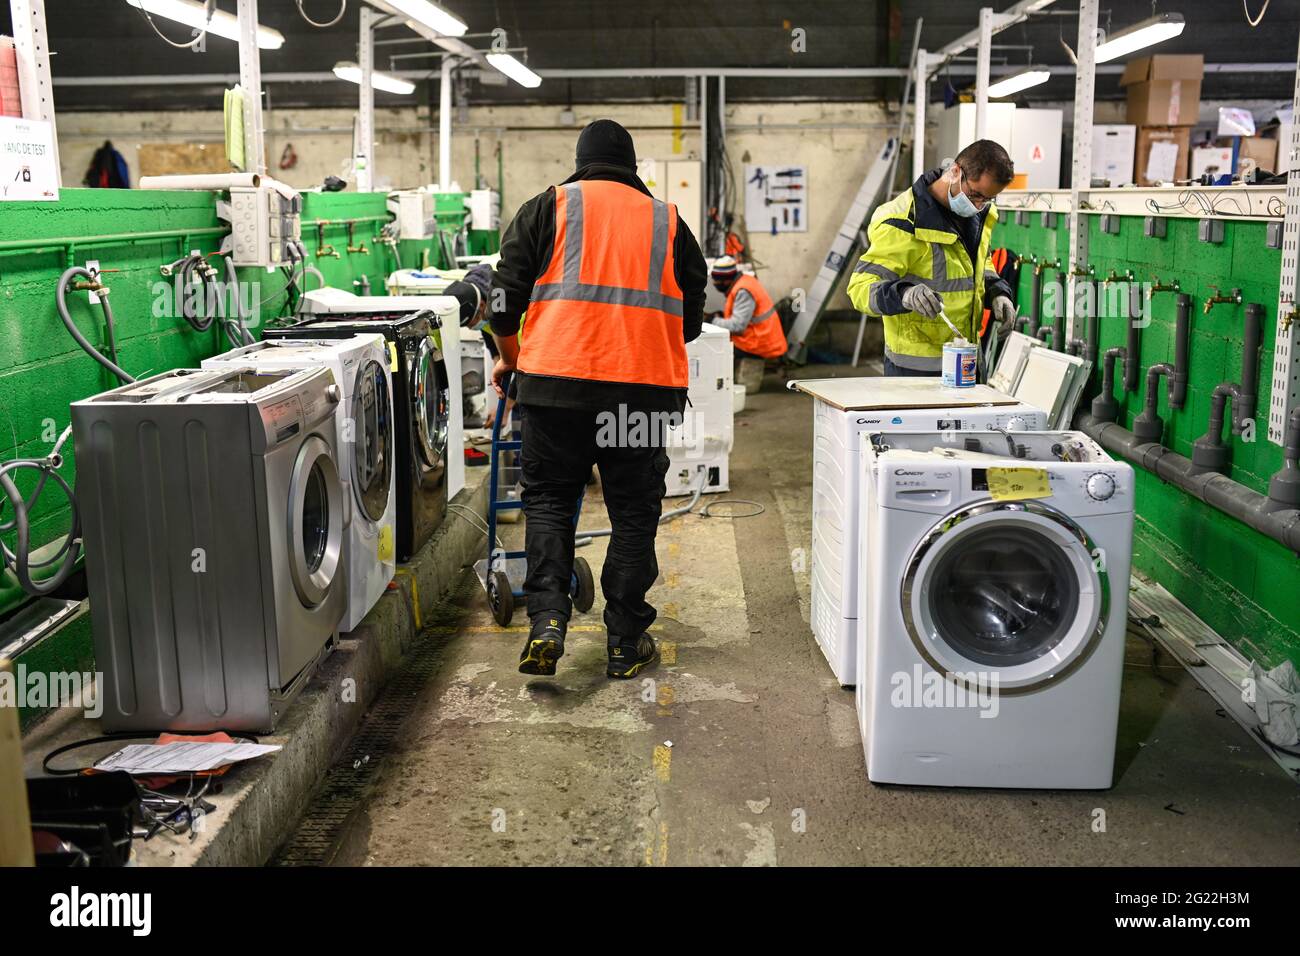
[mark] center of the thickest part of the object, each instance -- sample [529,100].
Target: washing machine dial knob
[1100,486]
[334,393]
[1017,423]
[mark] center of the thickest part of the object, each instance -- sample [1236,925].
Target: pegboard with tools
[776,198]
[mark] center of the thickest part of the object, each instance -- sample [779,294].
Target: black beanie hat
[605,141]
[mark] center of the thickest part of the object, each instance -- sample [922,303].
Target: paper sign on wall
[1162,162]
[27,166]
[776,198]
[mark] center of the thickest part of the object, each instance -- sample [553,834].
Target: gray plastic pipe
[1036,304]
[1209,453]
[1181,373]
[1275,518]
[1094,328]
[1104,406]
[1134,347]
[1245,401]
[1284,486]
[1149,426]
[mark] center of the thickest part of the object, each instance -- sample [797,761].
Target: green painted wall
[1242,583]
[42,369]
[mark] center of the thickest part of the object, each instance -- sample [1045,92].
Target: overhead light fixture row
[1157,29]
[1009,85]
[507,63]
[194,15]
[431,15]
[379,80]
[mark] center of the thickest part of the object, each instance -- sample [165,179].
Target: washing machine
[994,647]
[699,449]
[214,521]
[843,410]
[364,429]
[422,412]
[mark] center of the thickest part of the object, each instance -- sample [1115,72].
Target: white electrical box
[676,181]
[264,223]
[699,451]
[484,209]
[413,212]
[957,130]
[1035,147]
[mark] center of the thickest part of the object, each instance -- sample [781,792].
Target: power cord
[210,8]
[343,8]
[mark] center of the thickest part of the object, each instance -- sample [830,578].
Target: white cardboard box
[1114,149]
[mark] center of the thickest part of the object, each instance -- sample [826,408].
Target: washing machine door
[315,521]
[431,408]
[1009,591]
[372,437]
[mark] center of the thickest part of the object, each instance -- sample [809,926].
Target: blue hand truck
[502,572]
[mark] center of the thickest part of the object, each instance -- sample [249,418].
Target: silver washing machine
[214,521]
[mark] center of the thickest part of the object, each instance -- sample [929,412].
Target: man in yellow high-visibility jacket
[929,253]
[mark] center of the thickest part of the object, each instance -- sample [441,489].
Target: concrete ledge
[258,803]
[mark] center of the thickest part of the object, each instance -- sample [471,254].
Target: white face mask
[959,202]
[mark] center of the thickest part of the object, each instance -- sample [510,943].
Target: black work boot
[545,644]
[627,656]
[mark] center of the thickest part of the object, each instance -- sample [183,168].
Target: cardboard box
[1113,149]
[1162,154]
[1216,160]
[1164,90]
[1263,151]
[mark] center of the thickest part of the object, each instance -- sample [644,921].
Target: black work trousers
[560,445]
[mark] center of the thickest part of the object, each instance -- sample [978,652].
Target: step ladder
[851,235]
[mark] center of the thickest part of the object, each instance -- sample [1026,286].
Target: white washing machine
[367,453]
[844,409]
[699,450]
[993,652]
[214,522]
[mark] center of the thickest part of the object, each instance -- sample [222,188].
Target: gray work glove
[1004,311]
[923,300]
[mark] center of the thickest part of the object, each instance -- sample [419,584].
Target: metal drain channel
[348,783]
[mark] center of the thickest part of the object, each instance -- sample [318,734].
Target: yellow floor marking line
[663,763]
[415,594]
[672,579]
[667,651]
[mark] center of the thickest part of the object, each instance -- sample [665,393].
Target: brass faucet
[1021,260]
[1157,287]
[1233,297]
[1046,264]
[354,248]
[323,250]
[1089,271]
[1116,277]
[1288,318]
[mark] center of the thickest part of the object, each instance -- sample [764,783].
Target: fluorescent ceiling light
[380,81]
[222,24]
[507,64]
[1017,82]
[1157,29]
[431,15]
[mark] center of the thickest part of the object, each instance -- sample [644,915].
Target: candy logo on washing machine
[896,420]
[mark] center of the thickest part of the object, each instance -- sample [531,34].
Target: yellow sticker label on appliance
[392,356]
[1018,484]
[385,546]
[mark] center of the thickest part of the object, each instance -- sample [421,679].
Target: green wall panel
[1242,583]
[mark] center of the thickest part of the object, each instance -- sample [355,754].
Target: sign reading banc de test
[28,170]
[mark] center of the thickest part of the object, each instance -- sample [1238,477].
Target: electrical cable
[1262,10]
[473,519]
[584,537]
[343,8]
[705,512]
[210,6]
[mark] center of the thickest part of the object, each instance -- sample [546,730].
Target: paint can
[959,364]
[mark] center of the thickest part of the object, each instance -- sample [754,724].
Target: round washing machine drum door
[372,438]
[1012,592]
[432,406]
[315,521]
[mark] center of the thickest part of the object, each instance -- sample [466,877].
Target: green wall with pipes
[1242,583]
[42,369]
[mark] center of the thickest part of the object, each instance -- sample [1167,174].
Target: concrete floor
[745,751]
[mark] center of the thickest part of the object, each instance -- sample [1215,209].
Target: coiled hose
[61,302]
[20,558]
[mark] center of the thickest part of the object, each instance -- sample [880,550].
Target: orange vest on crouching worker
[608,308]
[763,336]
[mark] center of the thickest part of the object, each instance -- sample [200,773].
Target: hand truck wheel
[584,587]
[501,598]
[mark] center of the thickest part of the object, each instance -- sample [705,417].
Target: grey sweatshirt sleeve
[742,314]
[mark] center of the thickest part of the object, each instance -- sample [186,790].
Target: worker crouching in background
[613,283]
[750,316]
[929,253]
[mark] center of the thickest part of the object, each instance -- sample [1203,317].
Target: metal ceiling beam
[1016,13]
